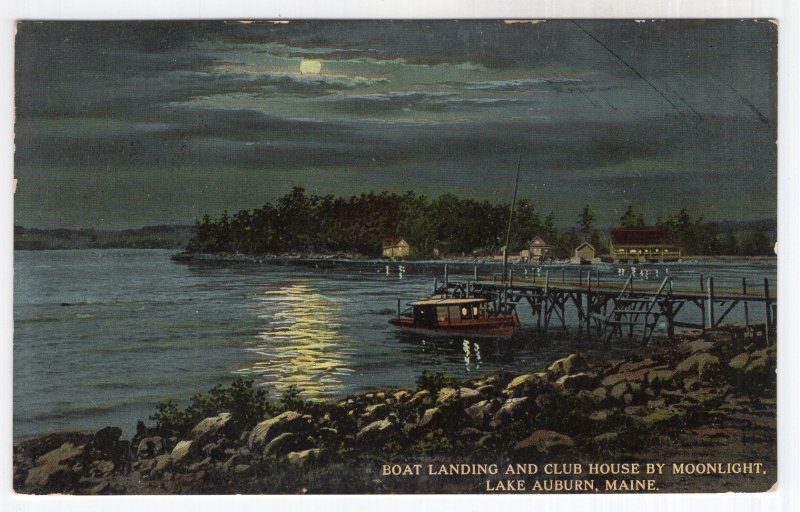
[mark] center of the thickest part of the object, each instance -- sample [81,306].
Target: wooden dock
[607,308]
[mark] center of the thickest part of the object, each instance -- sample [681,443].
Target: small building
[584,254]
[642,244]
[396,247]
[525,254]
[539,249]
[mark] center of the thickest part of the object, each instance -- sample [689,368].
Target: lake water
[101,336]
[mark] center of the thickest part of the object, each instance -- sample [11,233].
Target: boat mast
[510,217]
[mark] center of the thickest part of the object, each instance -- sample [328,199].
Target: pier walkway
[607,309]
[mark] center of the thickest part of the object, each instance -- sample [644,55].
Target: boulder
[378,432]
[618,391]
[289,421]
[629,376]
[487,390]
[101,468]
[182,451]
[419,398]
[512,409]
[660,376]
[520,384]
[106,439]
[209,428]
[303,457]
[573,363]
[285,443]
[55,470]
[480,413]
[463,396]
[431,418]
[402,395]
[235,460]
[663,416]
[374,412]
[740,361]
[150,447]
[578,381]
[697,364]
[162,463]
[544,441]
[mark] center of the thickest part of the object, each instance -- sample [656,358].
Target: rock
[697,364]
[599,416]
[660,376]
[740,361]
[402,395]
[480,413]
[419,398]
[210,427]
[150,447]
[525,384]
[107,439]
[379,432]
[285,443]
[619,390]
[544,441]
[304,457]
[182,451]
[630,376]
[487,390]
[288,421]
[240,469]
[56,469]
[374,412]
[463,396]
[578,381]
[759,360]
[199,465]
[606,438]
[573,363]
[512,409]
[235,460]
[663,416]
[101,468]
[162,463]
[431,418]
[38,446]
[600,393]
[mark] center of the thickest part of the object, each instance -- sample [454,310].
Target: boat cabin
[441,312]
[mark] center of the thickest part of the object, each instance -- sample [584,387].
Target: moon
[310,66]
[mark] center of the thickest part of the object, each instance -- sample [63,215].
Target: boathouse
[396,247]
[539,249]
[583,254]
[645,243]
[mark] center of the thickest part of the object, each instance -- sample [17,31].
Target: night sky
[125,124]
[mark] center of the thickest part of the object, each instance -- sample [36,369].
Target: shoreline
[699,399]
[333,259]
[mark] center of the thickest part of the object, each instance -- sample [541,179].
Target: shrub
[434,382]
[247,405]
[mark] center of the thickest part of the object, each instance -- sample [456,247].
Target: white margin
[784,498]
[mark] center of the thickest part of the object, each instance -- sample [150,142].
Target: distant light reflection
[302,342]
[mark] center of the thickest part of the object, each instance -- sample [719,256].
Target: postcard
[395,257]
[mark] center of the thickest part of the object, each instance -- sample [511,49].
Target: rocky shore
[704,399]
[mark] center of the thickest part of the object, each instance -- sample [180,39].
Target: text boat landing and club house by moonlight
[395,257]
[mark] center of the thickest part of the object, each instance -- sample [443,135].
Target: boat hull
[500,327]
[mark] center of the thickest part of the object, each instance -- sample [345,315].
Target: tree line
[306,223]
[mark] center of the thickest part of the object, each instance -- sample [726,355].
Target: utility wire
[629,66]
